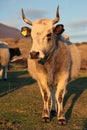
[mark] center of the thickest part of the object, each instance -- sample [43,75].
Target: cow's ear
[25,31]
[59,29]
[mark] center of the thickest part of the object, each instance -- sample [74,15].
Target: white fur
[4,59]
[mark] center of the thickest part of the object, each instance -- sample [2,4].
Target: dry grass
[83,52]
[24,45]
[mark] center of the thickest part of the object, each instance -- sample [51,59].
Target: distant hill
[9,32]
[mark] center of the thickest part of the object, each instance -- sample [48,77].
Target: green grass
[21,103]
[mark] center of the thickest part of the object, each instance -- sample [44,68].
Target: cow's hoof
[62,122]
[45,119]
[5,79]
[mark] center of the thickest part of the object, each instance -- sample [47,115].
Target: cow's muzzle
[34,55]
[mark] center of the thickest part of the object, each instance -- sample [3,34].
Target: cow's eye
[49,36]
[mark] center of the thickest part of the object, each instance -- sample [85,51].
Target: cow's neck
[49,53]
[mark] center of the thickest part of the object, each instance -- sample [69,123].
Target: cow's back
[76,61]
[4,54]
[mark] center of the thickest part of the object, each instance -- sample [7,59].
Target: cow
[4,59]
[14,52]
[50,63]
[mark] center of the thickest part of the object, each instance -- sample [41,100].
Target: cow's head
[42,34]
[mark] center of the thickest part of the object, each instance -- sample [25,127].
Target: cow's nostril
[34,55]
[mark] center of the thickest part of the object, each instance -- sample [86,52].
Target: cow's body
[53,76]
[4,59]
[50,63]
[14,52]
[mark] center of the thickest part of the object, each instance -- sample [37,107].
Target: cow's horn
[25,19]
[57,16]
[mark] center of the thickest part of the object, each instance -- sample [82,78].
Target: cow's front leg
[1,72]
[61,87]
[46,97]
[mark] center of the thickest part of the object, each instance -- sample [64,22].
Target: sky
[73,14]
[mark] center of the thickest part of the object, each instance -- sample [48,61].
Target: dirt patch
[8,125]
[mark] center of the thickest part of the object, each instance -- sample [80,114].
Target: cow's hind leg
[46,97]
[53,111]
[61,88]
[5,72]
[1,72]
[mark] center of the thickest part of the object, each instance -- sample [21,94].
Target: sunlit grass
[21,103]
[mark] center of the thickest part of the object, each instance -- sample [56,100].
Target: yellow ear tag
[24,33]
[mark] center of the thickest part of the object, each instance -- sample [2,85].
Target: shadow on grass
[85,125]
[15,81]
[76,87]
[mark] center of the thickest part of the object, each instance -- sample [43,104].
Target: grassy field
[21,103]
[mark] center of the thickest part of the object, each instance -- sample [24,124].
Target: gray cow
[4,59]
[51,63]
